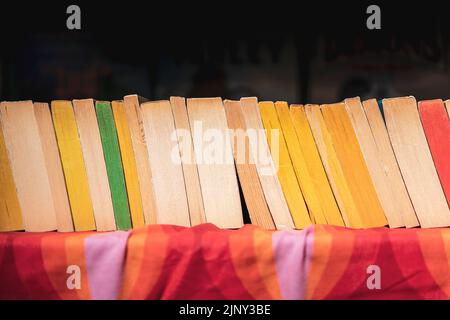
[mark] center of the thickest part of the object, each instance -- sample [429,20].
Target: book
[10,213]
[247,174]
[190,171]
[73,165]
[282,160]
[134,117]
[53,163]
[94,159]
[214,158]
[416,164]
[354,167]
[265,167]
[333,167]
[27,160]
[393,178]
[304,176]
[447,106]
[113,161]
[314,166]
[436,125]
[373,161]
[165,164]
[129,164]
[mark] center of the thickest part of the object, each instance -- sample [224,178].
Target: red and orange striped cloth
[204,262]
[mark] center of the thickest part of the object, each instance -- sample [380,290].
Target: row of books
[93,165]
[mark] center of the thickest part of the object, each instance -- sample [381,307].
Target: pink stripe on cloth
[105,258]
[292,252]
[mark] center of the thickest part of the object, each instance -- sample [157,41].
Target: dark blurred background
[315,52]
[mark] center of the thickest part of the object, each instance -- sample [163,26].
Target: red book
[436,124]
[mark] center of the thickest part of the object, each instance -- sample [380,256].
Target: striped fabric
[203,262]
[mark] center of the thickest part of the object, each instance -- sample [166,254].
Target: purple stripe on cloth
[105,255]
[292,252]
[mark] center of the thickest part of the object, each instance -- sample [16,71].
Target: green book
[113,162]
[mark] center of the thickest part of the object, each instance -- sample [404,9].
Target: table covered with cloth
[204,262]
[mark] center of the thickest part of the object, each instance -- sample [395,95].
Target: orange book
[354,167]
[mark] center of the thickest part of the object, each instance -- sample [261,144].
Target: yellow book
[286,173]
[73,165]
[10,215]
[304,177]
[333,168]
[314,165]
[129,164]
[354,167]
